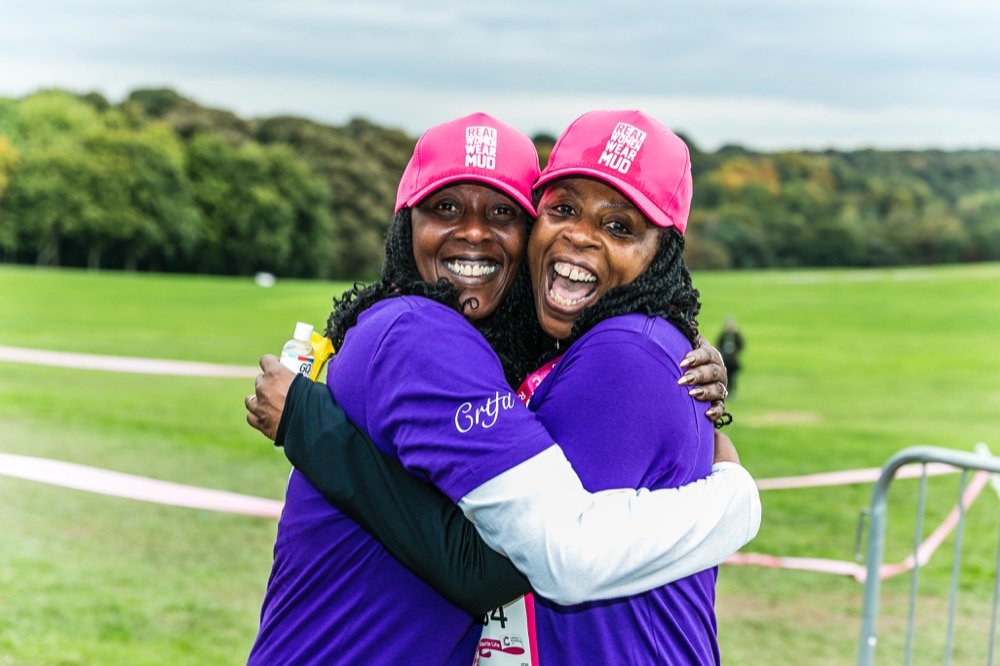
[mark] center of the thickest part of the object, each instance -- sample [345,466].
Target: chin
[558,330]
[482,311]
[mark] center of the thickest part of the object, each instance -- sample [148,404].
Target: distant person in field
[730,345]
[415,374]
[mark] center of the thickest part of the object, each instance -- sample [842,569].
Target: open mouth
[571,287]
[472,268]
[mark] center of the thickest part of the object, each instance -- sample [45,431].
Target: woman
[610,284]
[394,344]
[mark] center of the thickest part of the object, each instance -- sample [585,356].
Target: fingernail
[696,392]
[685,379]
[685,362]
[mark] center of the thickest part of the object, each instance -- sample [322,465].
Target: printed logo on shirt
[484,415]
[481,147]
[622,147]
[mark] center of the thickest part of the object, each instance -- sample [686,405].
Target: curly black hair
[511,330]
[662,290]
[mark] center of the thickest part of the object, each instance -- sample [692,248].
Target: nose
[474,228]
[581,234]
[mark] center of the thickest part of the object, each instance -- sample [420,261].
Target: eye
[506,212]
[561,209]
[618,228]
[445,206]
[559,202]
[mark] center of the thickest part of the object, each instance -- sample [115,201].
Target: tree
[263,209]
[738,229]
[544,143]
[53,116]
[314,245]
[700,250]
[115,191]
[143,205]
[184,116]
[981,214]
[156,102]
[8,163]
[361,165]
[47,201]
[10,120]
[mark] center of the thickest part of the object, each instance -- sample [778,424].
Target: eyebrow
[617,205]
[624,205]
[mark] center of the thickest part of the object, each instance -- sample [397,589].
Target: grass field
[842,369]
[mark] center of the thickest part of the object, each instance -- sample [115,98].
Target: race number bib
[508,637]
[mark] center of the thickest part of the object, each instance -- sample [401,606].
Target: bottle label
[300,364]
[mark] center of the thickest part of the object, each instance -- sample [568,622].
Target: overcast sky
[769,75]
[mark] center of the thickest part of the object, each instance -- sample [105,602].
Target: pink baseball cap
[477,148]
[632,152]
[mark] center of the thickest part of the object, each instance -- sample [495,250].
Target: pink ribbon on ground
[148,366]
[117,484]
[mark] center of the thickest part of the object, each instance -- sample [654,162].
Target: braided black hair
[511,330]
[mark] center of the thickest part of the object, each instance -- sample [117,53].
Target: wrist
[299,384]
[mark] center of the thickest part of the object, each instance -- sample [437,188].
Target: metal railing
[982,465]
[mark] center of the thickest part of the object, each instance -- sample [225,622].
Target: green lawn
[842,369]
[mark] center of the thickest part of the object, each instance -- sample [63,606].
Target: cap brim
[641,201]
[495,183]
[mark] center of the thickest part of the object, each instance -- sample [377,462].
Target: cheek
[642,260]
[537,242]
[423,252]
[533,255]
[513,242]
[649,244]
[518,245]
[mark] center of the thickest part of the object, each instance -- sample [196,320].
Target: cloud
[872,72]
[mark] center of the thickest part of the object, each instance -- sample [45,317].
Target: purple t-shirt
[613,404]
[427,388]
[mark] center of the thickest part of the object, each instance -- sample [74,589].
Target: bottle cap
[303,331]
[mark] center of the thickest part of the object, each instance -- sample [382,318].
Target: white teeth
[471,269]
[565,302]
[573,273]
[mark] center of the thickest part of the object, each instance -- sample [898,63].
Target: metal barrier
[983,465]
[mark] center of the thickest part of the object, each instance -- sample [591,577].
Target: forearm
[419,525]
[576,546]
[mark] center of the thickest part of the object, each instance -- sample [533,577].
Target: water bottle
[297,354]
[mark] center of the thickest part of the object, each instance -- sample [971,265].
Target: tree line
[159,182]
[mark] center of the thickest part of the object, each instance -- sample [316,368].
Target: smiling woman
[609,236]
[472,236]
[611,287]
[589,239]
